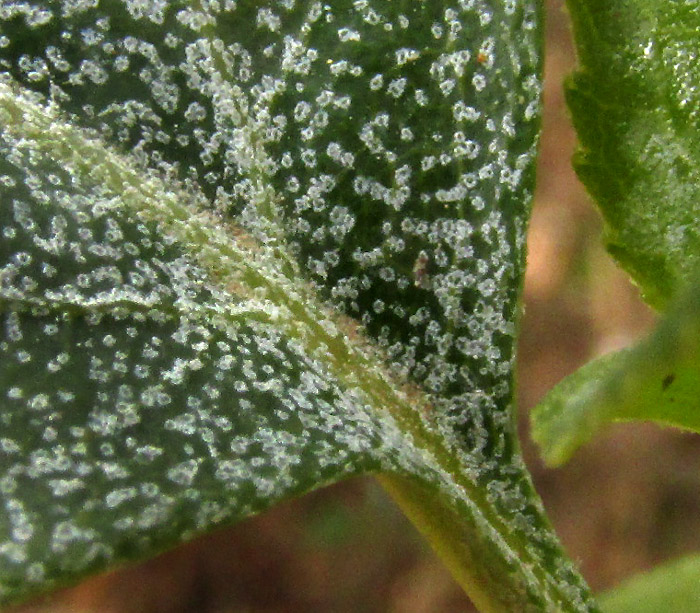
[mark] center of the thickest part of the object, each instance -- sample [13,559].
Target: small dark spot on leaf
[420,271]
[668,379]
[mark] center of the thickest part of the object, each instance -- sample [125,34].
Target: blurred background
[623,503]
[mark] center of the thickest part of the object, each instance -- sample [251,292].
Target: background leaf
[635,103]
[635,106]
[657,380]
[670,587]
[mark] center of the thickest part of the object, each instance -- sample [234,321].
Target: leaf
[637,113]
[673,586]
[657,380]
[377,143]
[85,485]
[635,103]
[212,188]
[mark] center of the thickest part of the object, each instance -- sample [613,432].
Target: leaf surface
[142,401]
[212,189]
[255,391]
[635,103]
[378,143]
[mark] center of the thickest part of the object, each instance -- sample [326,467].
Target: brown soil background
[624,503]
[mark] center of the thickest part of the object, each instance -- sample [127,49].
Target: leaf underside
[121,366]
[251,248]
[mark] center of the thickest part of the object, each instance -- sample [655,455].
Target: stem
[493,582]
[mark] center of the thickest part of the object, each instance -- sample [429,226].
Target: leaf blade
[506,519]
[470,460]
[378,143]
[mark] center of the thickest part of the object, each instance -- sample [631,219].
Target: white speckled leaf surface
[377,139]
[141,401]
[165,370]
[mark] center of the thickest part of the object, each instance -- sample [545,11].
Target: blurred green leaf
[196,196]
[657,380]
[635,103]
[673,586]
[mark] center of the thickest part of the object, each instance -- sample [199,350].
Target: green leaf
[635,103]
[196,196]
[390,148]
[657,380]
[254,392]
[673,586]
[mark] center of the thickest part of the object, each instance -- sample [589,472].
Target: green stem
[494,582]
